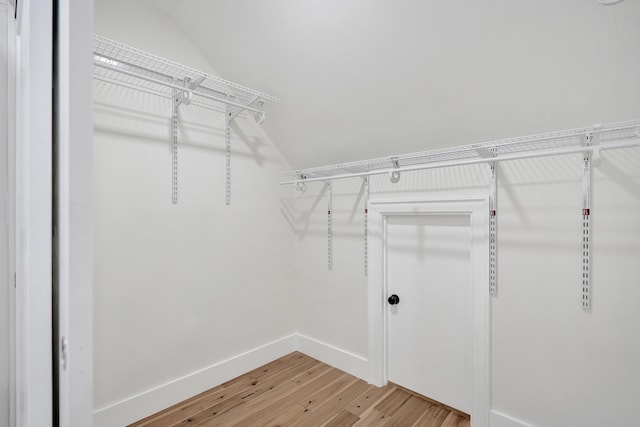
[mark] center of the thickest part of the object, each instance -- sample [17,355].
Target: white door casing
[74,212]
[33,294]
[7,64]
[34,158]
[477,210]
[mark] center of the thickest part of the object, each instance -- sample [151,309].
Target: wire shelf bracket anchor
[256,100]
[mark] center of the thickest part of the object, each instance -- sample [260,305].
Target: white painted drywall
[368,78]
[173,286]
[553,364]
[181,287]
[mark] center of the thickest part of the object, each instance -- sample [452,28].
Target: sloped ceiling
[368,78]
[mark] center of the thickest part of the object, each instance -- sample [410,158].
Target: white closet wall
[178,288]
[553,364]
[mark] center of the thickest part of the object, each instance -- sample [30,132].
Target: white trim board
[478,210]
[33,225]
[150,401]
[158,398]
[74,212]
[353,364]
[498,419]
[6,268]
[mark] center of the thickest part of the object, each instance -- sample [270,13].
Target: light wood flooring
[297,390]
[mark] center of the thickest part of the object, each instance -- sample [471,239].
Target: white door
[430,328]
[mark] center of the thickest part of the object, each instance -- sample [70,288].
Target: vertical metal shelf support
[366,226]
[586,228]
[329,226]
[493,238]
[227,155]
[175,102]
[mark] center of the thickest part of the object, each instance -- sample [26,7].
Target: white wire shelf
[134,68]
[615,135]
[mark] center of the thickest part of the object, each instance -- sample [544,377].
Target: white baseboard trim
[141,405]
[158,398]
[498,419]
[353,364]
[148,402]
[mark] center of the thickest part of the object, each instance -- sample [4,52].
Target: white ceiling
[368,78]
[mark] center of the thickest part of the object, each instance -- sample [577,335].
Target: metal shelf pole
[175,102]
[366,226]
[329,226]
[493,237]
[586,229]
[227,156]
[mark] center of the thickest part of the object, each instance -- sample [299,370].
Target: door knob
[393,299]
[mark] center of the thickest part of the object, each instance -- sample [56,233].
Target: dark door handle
[393,299]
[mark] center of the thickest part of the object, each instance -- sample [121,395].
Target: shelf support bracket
[184,96]
[300,184]
[255,100]
[586,225]
[394,176]
[329,226]
[366,225]
[227,155]
[174,146]
[493,232]
[194,84]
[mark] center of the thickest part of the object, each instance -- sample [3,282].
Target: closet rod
[625,143]
[171,85]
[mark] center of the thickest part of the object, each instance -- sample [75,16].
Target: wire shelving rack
[588,141]
[607,136]
[121,64]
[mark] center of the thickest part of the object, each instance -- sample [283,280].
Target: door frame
[53,50]
[7,215]
[478,211]
[74,216]
[33,213]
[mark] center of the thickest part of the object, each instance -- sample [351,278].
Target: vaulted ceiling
[368,78]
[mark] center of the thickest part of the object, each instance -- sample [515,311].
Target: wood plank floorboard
[299,391]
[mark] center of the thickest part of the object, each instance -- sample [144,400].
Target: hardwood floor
[297,390]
